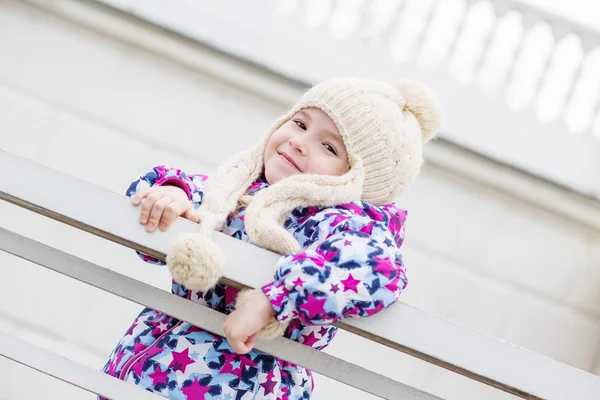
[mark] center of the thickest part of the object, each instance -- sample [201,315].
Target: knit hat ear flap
[424,104]
[195,261]
[223,190]
[266,214]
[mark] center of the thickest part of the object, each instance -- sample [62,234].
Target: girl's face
[309,143]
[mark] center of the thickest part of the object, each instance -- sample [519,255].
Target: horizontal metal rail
[205,317]
[70,372]
[473,354]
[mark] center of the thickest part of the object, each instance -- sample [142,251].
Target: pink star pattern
[394,287]
[158,328]
[372,311]
[315,258]
[310,339]
[339,219]
[352,207]
[112,366]
[139,346]
[313,306]
[328,255]
[228,367]
[319,298]
[159,376]
[269,385]
[350,283]
[231,295]
[131,328]
[138,366]
[246,361]
[385,266]
[195,391]
[298,282]
[181,360]
[368,229]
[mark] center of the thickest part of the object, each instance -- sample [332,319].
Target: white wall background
[103,109]
[467,53]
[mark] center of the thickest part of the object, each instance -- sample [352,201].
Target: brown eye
[300,124]
[330,148]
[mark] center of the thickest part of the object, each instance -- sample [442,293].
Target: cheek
[278,137]
[270,149]
[327,166]
[341,167]
[269,163]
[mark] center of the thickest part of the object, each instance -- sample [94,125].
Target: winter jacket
[349,266]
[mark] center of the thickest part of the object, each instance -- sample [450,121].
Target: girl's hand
[242,325]
[161,205]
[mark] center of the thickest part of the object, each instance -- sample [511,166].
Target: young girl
[319,190]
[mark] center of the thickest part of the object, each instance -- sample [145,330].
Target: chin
[274,173]
[276,177]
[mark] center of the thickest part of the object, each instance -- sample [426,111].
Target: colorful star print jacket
[350,266]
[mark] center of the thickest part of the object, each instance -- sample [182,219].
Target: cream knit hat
[383,128]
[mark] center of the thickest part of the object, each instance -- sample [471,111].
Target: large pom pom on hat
[424,104]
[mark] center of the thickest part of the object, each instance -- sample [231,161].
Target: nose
[298,144]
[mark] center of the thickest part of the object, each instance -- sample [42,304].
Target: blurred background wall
[504,222]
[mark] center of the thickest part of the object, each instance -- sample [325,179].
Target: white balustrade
[538,59]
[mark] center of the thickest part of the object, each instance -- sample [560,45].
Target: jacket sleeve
[163,175]
[356,271]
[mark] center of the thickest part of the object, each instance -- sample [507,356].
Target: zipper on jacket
[129,364]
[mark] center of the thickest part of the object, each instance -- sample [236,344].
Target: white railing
[538,59]
[473,354]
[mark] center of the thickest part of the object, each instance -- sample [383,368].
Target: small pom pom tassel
[196,262]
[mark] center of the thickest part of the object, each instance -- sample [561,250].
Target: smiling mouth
[289,160]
